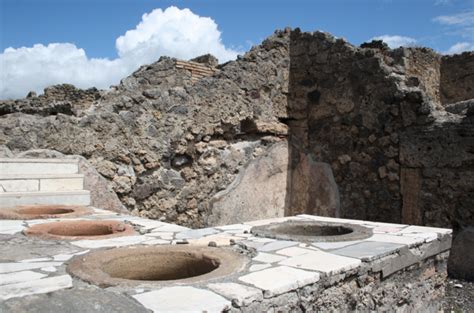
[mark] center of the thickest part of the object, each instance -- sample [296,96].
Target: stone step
[9,166]
[41,182]
[12,199]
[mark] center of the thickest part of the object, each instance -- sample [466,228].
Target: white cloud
[395,41]
[460,47]
[172,32]
[460,19]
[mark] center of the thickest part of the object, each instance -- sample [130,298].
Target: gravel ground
[459,296]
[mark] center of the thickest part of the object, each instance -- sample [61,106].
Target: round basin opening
[45,211]
[312,231]
[90,229]
[161,266]
[73,230]
[155,265]
[29,212]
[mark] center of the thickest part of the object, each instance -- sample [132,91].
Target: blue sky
[87,32]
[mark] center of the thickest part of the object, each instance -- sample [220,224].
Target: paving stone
[323,262]
[170,228]
[49,269]
[368,250]
[62,257]
[386,229]
[183,299]
[422,229]
[43,285]
[18,277]
[162,235]
[405,240]
[258,267]
[17,266]
[221,239]
[36,260]
[276,245]
[146,224]
[252,244]
[11,227]
[335,245]
[235,227]
[239,294]
[73,300]
[294,251]
[262,240]
[196,233]
[268,258]
[278,280]
[111,242]
[157,242]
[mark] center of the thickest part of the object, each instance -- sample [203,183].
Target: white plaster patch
[162,235]
[322,262]
[18,277]
[258,267]
[62,257]
[165,227]
[196,233]
[335,245]
[157,242]
[241,295]
[146,224]
[281,279]
[16,267]
[111,242]
[11,227]
[37,286]
[406,240]
[35,260]
[183,299]
[276,245]
[268,258]
[235,228]
[294,251]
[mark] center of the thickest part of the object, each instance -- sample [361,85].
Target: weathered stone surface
[73,300]
[183,299]
[258,192]
[461,263]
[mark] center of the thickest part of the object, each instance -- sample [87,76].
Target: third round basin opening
[312,231]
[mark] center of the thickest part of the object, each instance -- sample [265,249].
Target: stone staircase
[41,182]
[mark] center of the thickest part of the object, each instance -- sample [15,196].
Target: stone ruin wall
[173,147]
[304,123]
[376,117]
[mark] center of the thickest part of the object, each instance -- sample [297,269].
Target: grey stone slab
[43,285]
[368,250]
[196,233]
[183,299]
[73,300]
[277,245]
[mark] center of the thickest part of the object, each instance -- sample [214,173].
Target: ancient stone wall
[457,77]
[345,112]
[168,142]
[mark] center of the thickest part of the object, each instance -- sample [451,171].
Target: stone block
[183,299]
[37,286]
[323,262]
[368,250]
[278,280]
[240,295]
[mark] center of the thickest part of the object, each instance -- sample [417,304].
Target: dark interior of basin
[44,210]
[81,230]
[312,230]
[160,266]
